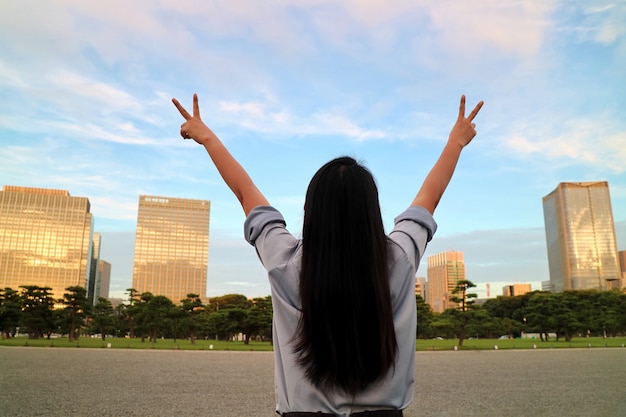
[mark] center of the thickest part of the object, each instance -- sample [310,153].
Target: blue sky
[288,85]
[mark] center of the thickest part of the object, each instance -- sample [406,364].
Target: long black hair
[346,338]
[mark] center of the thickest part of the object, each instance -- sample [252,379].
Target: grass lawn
[421,345]
[119,343]
[487,344]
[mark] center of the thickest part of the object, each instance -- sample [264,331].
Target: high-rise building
[516,289]
[622,266]
[445,269]
[93,272]
[171,247]
[421,288]
[580,237]
[45,239]
[103,280]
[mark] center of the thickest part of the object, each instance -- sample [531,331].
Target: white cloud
[594,142]
[98,93]
[258,116]
[605,22]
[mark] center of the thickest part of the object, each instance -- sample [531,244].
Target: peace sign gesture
[193,127]
[464,130]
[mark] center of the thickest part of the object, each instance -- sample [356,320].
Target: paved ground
[111,382]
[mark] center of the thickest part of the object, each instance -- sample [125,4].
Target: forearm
[438,178]
[234,175]
[440,175]
[231,171]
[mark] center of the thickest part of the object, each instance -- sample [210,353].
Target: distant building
[45,239]
[421,288]
[445,269]
[93,271]
[580,237]
[516,289]
[546,286]
[171,247]
[622,266]
[103,280]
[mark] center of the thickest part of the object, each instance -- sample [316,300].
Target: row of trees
[566,314]
[33,310]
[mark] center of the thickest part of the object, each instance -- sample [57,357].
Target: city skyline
[289,85]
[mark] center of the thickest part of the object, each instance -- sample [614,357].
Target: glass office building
[171,247]
[45,239]
[580,237]
[445,270]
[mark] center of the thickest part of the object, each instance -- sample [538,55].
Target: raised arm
[231,171]
[439,176]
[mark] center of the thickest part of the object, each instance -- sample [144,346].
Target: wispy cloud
[593,142]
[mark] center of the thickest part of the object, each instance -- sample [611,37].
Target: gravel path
[112,382]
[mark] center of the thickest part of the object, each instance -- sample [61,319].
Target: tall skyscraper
[421,288]
[580,237]
[45,239]
[103,280]
[622,266]
[171,247]
[445,269]
[93,272]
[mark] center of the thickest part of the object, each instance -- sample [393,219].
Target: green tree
[76,309]
[606,305]
[228,301]
[258,321]
[134,311]
[37,307]
[465,302]
[156,314]
[103,318]
[424,318]
[10,312]
[444,324]
[192,306]
[217,325]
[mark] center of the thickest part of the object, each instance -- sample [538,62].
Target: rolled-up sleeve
[414,228]
[257,219]
[265,229]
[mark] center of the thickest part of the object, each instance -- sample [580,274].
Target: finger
[462,107]
[181,109]
[196,107]
[475,111]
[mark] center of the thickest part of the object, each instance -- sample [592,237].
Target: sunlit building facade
[516,289]
[421,288]
[580,237]
[445,270]
[171,247]
[45,239]
[93,271]
[103,280]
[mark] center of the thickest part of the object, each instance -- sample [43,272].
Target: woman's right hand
[193,127]
[464,130]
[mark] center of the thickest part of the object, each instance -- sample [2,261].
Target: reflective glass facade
[580,237]
[45,239]
[445,269]
[171,247]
